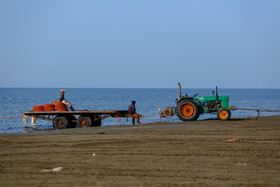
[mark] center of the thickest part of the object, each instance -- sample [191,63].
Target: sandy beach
[164,154]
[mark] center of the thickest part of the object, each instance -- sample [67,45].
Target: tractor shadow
[233,119]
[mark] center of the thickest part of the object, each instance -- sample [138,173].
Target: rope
[59,106]
[49,107]
[260,110]
[149,116]
[38,108]
[11,117]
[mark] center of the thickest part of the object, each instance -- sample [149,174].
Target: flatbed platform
[77,118]
[76,112]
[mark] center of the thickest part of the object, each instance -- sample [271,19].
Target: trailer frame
[78,118]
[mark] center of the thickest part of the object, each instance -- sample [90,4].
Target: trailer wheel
[60,122]
[96,123]
[84,121]
[187,110]
[224,114]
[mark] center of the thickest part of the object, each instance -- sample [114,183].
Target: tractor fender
[185,98]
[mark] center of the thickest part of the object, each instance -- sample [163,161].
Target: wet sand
[163,154]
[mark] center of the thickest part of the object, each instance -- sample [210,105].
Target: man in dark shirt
[62,99]
[61,95]
[132,110]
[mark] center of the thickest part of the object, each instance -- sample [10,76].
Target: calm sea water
[148,101]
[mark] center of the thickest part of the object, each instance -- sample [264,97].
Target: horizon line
[119,88]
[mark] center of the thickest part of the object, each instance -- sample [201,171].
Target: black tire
[224,114]
[71,123]
[84,121]
[187,110]
[61,122]
[96,123]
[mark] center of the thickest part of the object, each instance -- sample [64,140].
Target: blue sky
[140,44]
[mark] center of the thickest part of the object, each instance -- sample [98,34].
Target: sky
[139,44]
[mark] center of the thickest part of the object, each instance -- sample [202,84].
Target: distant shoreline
[139,88]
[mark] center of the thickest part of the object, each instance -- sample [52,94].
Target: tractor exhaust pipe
[180,93]
[217,95]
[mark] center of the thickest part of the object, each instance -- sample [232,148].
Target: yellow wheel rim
[223,114]
[187,110]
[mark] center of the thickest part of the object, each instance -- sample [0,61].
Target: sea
[149,102]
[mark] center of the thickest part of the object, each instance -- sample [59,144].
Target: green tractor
[189,108]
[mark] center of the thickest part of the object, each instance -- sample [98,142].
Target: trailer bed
[77,112]
[77,118]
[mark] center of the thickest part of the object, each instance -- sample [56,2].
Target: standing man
[62,99]
[132,110]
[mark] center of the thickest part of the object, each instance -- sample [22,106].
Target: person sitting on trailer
[62,99]
[132,110]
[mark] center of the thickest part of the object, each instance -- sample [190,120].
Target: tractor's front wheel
[224,114]
[187,110]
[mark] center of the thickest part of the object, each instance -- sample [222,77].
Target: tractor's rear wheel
[60,122]
[187,110]
[224,114]
[84,121]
